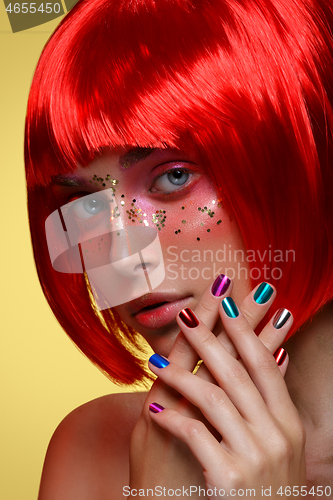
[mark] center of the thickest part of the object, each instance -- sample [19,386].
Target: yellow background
[43,375]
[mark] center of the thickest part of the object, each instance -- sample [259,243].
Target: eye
[88,206]
[171,181]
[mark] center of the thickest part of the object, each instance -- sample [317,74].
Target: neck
[310,382]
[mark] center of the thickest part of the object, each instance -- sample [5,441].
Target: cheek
[201,240]
[197,220]
[198,217]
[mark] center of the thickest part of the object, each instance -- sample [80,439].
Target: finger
[230,375]
[257,359]
[209,398]
[274,333]
[208,311]
[194,433]
[254,307]
[282,359]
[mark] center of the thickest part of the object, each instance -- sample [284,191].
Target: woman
[210,122]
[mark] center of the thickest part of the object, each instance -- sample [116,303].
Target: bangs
[247,84]
[151,74]
[103,83]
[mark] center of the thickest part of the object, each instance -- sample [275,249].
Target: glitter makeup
[158,218]
[100,180]
[206,210]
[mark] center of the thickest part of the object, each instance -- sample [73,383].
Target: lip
[151,317]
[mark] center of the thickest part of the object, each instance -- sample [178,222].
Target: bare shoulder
[88,455]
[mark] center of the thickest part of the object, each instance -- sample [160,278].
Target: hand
[262,442]
[176,465]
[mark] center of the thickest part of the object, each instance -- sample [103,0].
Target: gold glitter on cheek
[158,218]
[205,210]
[208,211]
[137,214]
[211,214]
[114,213]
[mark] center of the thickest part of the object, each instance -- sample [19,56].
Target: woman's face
[167,190]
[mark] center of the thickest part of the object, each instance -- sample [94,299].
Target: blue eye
[92,206]
[171,181]
[89,206]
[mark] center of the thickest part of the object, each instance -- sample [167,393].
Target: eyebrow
[134,156]
[126,161]
[68,180]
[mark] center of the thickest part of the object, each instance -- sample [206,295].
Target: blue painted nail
[158,361]
[263,293]
[230,307]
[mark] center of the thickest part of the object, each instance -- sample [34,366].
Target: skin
[88,456]
[256,450]
[145,181]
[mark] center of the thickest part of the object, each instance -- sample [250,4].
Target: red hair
[247,83]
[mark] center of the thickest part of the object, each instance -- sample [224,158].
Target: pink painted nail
[156,408]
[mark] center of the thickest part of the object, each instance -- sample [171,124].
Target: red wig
[247,83]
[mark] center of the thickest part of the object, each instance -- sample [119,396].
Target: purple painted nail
[156,408]
[220,285]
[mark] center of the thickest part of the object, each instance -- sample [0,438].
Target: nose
[134,249]
[122,262]
[136,267]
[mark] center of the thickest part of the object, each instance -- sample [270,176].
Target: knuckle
[259,461]
[265,362]
[207,339]
[238,375]
[286,452]
[299,434]
[193,429]
[214,396]
[206,308]
[181,345]
[251,316]
[234,477]
[283,450]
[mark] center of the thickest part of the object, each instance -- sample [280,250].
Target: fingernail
[220,285]
[263,293]
[280,355]
[230,307]
[158,361]
[281,317]
[156,408]
[189,318]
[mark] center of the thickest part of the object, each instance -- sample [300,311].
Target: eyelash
[88,222]
[79,195]
[184,170]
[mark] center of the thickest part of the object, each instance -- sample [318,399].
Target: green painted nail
[230,307]
[263,293]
